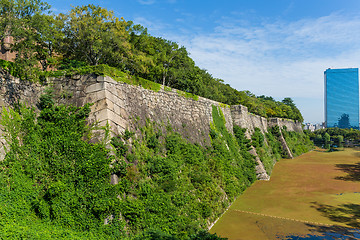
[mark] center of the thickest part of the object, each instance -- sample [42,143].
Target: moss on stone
[223,105]
[105,70]
[188,95]
[167,89]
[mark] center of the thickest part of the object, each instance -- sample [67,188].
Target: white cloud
[146,2]
[279,59]
[152,24]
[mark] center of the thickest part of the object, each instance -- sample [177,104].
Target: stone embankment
[122,105]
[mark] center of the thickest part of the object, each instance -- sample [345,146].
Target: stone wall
[244,119]
[121,105]
[289,124]
[12,92]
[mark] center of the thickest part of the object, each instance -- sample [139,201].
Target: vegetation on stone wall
[55,184]
[170,184]
[91,36]
[298,143]
[270,150]
[267,147]
[51,175]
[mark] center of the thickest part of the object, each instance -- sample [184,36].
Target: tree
[24,24]
[288,101]
[318,140]
[16,15]
[326,139]
[296,114]
[339,140]
[94,35]
[167,58]
[46,38]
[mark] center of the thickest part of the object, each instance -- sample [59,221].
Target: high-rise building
[342,98]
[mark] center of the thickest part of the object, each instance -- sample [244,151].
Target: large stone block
[95,96]
[95,87]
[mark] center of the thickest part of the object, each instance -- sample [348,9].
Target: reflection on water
[349,234]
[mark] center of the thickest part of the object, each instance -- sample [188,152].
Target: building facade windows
[342,98]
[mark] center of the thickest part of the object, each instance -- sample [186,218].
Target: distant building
[309,126]
[313,127]
[342,98]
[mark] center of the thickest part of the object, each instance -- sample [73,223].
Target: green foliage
[102,70]
[227,146]
[175,187]
[335,137]
[52,175]
[272,138]
[94,35]
[167,89]
[339,140]
[266,148]
[298,143]
[348,134]
[326,138]
[28,30]
[244,145]
[120,146]
[46,100]
[270,150]
[12,68]
[257,138]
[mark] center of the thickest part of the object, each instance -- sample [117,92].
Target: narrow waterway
[314,196]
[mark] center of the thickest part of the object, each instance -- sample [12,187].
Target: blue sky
[278,48]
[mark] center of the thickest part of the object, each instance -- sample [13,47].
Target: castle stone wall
[122,105]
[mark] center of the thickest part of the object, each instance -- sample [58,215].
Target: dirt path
[311,194]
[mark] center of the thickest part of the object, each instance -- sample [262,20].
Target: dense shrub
[52,175]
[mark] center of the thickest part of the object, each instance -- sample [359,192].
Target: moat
[313,196]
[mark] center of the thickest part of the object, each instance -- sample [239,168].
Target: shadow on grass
[348,214]
[353,171]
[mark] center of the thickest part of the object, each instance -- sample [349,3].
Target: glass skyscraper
[342,98]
